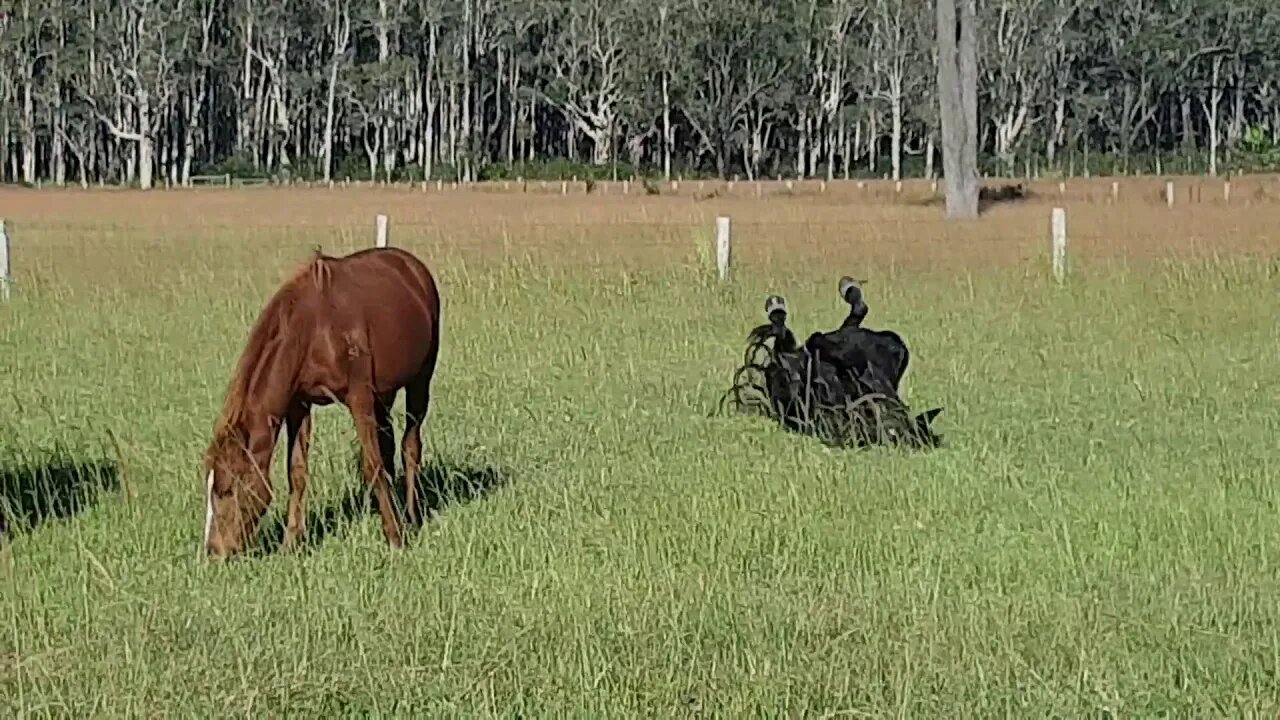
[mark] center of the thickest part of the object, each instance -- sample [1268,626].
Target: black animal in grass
[841,386]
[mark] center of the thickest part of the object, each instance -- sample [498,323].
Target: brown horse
[352,330]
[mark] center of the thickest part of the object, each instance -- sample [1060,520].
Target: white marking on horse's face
[208,507]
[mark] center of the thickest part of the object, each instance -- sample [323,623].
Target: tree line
[155,91]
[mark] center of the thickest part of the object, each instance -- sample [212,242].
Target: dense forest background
[155,91]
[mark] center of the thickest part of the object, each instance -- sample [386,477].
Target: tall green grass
[1099,537]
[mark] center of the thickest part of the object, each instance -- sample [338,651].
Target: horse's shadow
[59,487]
[441,484]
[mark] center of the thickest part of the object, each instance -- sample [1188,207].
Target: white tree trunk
[28,134]
[146,143]
[57,150]
[895,113]
[327,142]
[339,37]
[668,133]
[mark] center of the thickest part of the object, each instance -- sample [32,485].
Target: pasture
[1099,536]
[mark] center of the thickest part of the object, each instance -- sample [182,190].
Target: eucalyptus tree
[900,59]
[588,61]
[739,53]
[142,90]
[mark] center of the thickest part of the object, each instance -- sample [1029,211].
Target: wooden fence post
[1058,231]
[723,241]
[6,268]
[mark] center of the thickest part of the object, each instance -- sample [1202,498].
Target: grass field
[1100,537]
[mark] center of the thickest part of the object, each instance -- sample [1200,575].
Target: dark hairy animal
[353,330]
[841,386]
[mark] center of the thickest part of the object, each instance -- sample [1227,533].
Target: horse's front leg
[298,427]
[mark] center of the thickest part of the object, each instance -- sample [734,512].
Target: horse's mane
[271,327]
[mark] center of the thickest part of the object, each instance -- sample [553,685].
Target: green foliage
[1095,540]
[1259,148]
[237,166]
[555,169]
[751,87]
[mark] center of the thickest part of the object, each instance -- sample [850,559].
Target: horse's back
[382,282]
[382,302]
[383,273]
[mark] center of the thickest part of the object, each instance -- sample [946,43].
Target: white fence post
[382,232]
[722,246]
[1226,191]
[1058,228]
[1115,191]
[1168,193]
[5,268]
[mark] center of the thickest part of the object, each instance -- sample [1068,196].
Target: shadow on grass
[58,487]
[441,484]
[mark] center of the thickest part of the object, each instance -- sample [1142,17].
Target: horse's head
[237,495]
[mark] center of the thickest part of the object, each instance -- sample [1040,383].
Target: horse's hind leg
[386,432]
[298,424]
[417,396]
[369,417]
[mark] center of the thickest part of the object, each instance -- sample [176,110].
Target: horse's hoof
[773,304]
[293,542]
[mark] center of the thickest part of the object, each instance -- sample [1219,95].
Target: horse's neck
[254,432]
[266,394]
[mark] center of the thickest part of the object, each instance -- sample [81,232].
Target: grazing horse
[353,330]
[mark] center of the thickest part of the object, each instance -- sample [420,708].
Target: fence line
[836,231]
[1085,189]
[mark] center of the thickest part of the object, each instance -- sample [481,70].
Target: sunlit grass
[1099,534]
